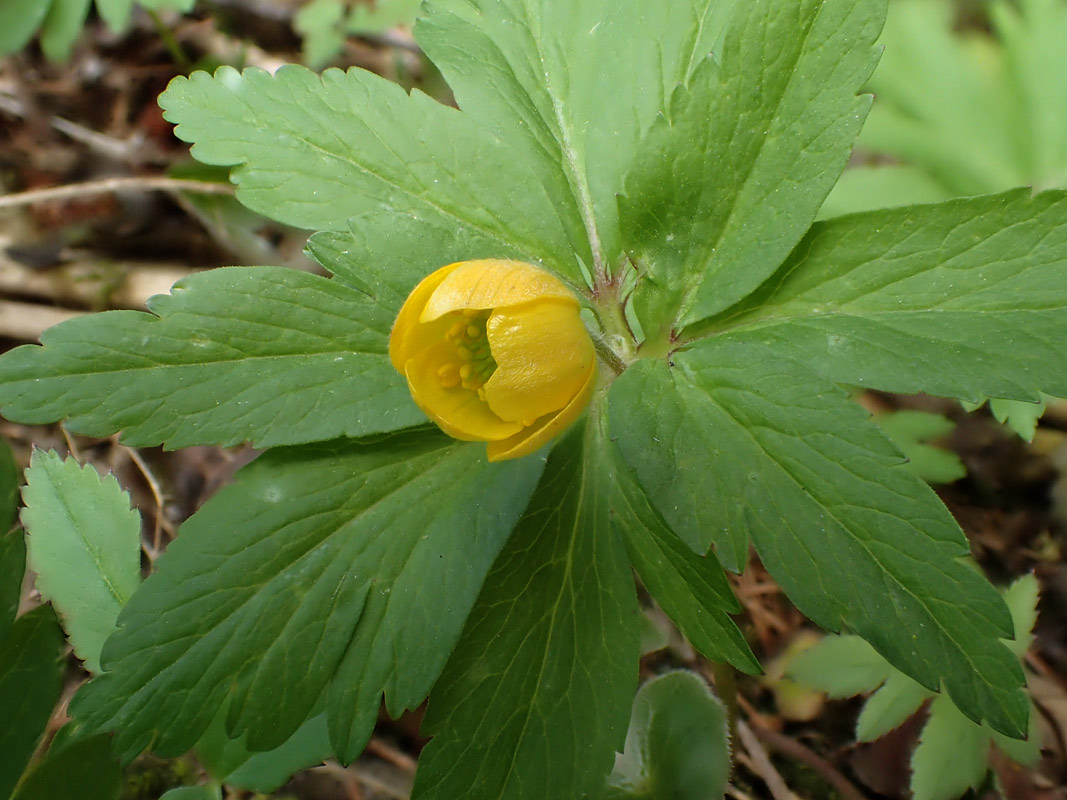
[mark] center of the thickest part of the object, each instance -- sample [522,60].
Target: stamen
[448,375]
[476,363]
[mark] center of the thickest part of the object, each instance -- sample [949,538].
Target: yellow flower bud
[495,351]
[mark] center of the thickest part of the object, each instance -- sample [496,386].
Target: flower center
[474,363]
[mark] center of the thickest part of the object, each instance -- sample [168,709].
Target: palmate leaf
[961,299]
[322,571]
[730,179]
[535,699]
[572,87]
[316,151]
[852,538]
[267,355]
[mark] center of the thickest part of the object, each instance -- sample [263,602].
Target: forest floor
[91,218]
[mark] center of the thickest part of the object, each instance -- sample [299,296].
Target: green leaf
[83,769]
[870,187]
[12,570]
[265,354]
[841,666]
[958,299]
[84,543]
[677,746]
[332,570]
[945,102]
[886,709]
[64,23]
[19,21]
[230,762]
[690,588]
[9,487]
[571,87]
[1020,416]
[909,429]
[116,13]
[319,23]
[535,698]
[1022,597]
[951,755]
[315,151]
[31,679]
[852,538]
[732,177]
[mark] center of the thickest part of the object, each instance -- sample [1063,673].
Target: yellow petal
[407,338]
[459,412]
[543,355]
[532,438]
[492,283]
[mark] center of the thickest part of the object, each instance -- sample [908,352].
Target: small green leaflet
[230,762]
[284,581]
[953,752]
[534,701]
[910,430]
[678,744]
[851,537]
[959,299]
[316,151]
[84,544]
[730,179]
[262,354]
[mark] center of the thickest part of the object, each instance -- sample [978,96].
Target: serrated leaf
[31,679]
[230,762]
[571,87]
[61,27]
[262,354]
[1021,598]
[678,745]
[372,549]
[841,666]
[951,755]
[729,181]
[79,770]
[19,20]
[1020,416]
[316,151]
[84,542]
[958,299]
[888,708]
[690,588]
[909,430]
[534,701]
[851,537]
